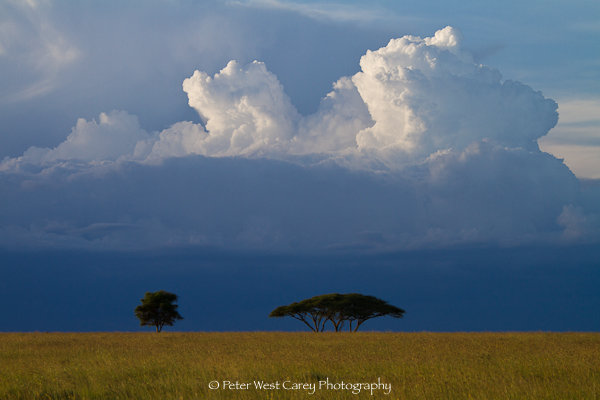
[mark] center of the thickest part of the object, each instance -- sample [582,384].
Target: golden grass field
[416,365]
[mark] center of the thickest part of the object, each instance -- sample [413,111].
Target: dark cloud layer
[238,203]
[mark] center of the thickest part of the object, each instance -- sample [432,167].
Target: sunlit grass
[417,365]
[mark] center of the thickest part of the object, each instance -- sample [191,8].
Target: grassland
[417,365]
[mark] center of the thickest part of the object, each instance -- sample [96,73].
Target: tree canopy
[158,309]
[339,309]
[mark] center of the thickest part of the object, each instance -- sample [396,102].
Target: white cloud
[333,128]
[245,109]
[427,95]
[412,98]
[421,148]
[180,140]
[115,134]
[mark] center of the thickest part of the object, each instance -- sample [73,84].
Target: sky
[300,129]
[516,289]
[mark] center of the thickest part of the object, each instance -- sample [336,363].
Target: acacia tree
[358,308]
[157,309]
[313,312]
[353,308]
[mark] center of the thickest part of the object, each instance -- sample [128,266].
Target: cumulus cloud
[333,128]
[427,95]
[421,147]
[115,134]
[412,98]
[245,109]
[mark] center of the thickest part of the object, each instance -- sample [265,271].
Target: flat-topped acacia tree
[158,309]
[351,308]
[313,312]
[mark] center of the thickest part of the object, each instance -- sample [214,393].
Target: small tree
[337,308]
[157,309]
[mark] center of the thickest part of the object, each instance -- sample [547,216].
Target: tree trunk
[339,325]
[358,324]
[315,323]
[300,318]
[323,326]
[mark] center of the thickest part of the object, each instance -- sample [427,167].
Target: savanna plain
[176,365]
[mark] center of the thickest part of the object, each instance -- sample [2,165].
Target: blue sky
[301,128]
[527,288]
